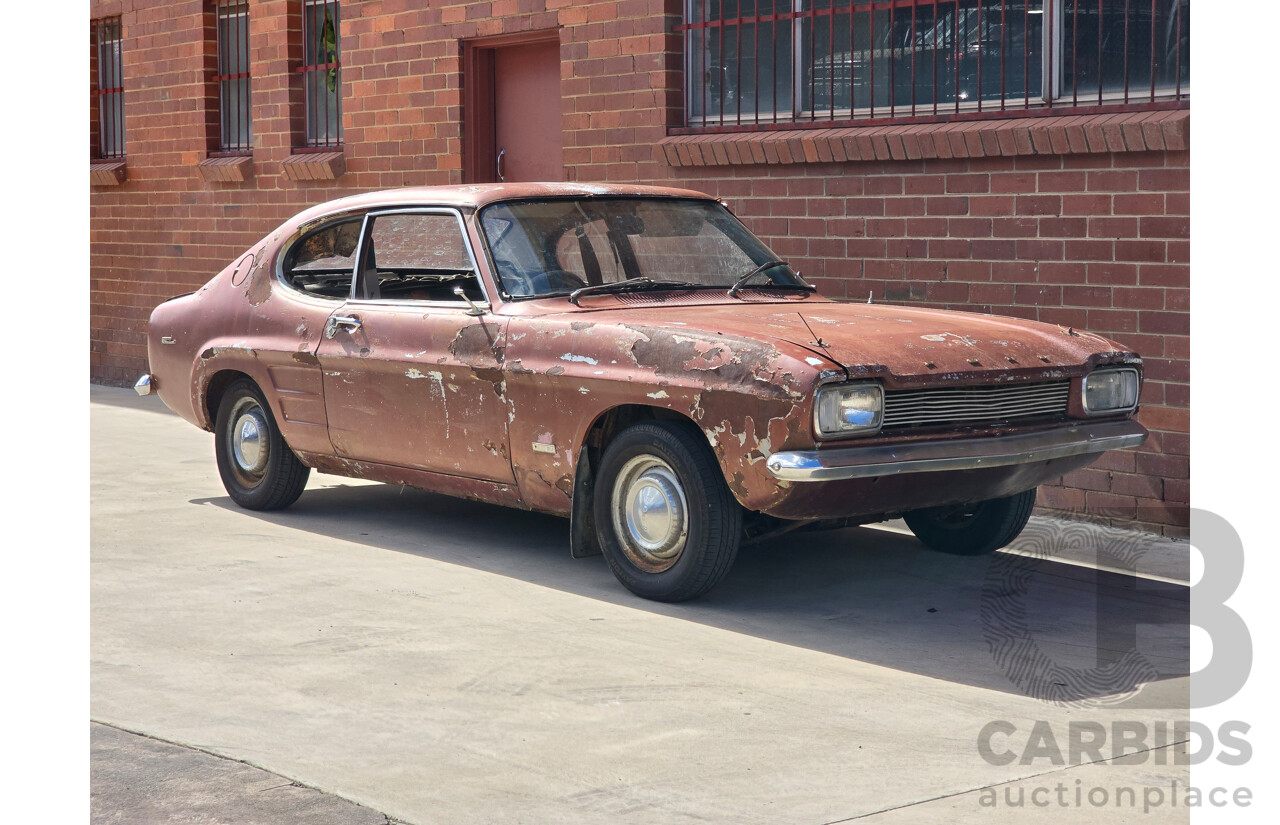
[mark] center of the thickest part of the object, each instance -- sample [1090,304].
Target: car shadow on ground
[1002,622]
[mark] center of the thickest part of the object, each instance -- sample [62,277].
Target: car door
[410,366]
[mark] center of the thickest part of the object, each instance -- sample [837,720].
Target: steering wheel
[562,279]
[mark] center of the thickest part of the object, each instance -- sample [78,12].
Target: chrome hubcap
[250,439]
[650,513]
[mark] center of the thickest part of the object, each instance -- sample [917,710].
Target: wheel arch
[216,387]
[603,429]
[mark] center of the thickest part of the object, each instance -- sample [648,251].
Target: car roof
[482,194]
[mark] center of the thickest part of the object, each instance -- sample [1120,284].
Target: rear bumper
[956,454]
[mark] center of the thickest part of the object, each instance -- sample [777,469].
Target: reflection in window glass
[235,131]
[322,71]
[746,67]
[430,242]
[110,91]
[1125,46]
[765,61]
[554,246]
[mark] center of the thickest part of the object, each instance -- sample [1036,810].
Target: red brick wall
[1097,240]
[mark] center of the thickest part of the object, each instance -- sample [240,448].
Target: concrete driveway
[445,661]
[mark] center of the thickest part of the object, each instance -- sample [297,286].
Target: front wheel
[972,529]
[258,469]
[665,519]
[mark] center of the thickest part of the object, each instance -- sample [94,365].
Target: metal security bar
[322,73]
[110,87]
[235,120]
[754,63]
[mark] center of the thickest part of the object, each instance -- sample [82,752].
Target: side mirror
[462,293]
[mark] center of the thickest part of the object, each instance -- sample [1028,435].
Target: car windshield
[558,246]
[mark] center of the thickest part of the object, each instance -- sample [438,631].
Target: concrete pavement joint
[289,783]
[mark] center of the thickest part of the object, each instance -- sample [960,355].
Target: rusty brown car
[632,358]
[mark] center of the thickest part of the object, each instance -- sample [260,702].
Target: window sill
[314,166]
[231,169]
[1077,134]
[107,172]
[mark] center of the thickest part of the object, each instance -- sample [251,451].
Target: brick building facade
[1075,215]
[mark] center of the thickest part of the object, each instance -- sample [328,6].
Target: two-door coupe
[630,357]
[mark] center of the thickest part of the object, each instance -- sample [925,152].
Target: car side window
[321,263]
[417,257]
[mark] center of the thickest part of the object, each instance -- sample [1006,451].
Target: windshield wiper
[631,285]
[765,267]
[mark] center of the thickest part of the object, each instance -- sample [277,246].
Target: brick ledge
[107,172]
[1073,134]
[314,166]
[237,169]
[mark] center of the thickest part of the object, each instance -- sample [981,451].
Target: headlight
[1110,390]
[845,409]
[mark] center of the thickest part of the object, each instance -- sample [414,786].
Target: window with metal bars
[235,119]
[109,87]
[322,72]
[754,62]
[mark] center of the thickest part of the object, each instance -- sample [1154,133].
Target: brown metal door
[527,113]
[416,387]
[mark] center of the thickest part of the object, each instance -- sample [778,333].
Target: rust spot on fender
[728,362]
[259,285]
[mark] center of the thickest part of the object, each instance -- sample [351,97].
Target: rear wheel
[665,519]
[258,469]
[972,529]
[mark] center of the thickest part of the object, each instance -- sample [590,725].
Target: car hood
[911,344]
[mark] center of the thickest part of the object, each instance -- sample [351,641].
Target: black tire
[972,529]
[256,479]
[667,468]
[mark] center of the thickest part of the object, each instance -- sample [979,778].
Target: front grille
[974,405]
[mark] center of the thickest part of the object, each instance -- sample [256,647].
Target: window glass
[766,61]
[322,71]
[110,91]
[322,262]
[431,242]
[235,131]
[420,257]
[1132,45]
[745,66]
[555,246]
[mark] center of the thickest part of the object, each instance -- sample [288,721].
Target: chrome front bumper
[955,454]
[146,385]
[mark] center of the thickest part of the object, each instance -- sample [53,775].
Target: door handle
[501,177]
[348,322]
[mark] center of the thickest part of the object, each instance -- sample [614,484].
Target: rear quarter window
[322,262]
